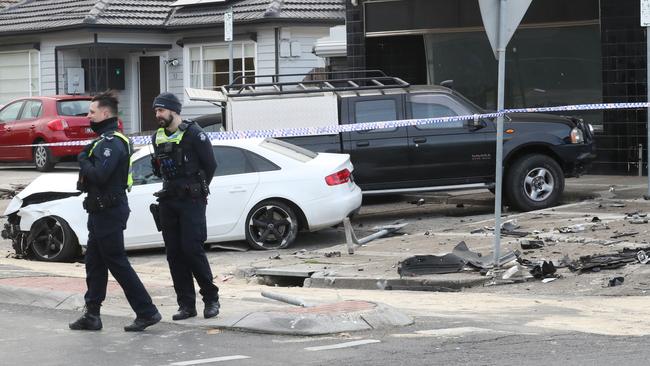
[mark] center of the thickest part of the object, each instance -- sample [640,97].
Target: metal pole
[501,52]
[230,57]
[640,162]
[647,38]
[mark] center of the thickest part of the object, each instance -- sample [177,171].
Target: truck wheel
[271,225]
[534,182]
[52,240]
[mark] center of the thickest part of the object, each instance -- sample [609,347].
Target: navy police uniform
[104,173]
[186,163]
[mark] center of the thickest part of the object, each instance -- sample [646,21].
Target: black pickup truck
[540,150]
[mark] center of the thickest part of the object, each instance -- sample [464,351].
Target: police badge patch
[107,152]
[202,136]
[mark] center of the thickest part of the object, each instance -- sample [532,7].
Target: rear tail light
[57,124]
[340,177]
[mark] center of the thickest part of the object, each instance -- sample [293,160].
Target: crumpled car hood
[46,187]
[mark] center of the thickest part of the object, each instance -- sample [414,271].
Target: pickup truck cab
[540,150]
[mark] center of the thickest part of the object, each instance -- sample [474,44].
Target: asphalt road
[32,336]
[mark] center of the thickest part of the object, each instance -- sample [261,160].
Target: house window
[19,75]
[209,64]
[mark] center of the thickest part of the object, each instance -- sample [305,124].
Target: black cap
[168,101]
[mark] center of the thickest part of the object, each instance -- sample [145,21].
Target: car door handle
[419,140]
[32,127]
[237,189]
[362,143]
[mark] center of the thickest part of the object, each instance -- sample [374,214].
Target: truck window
[430,106]
[375,111]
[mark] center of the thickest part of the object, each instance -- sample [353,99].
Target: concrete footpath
[342,292]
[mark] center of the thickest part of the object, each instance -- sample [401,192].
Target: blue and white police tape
[367,126]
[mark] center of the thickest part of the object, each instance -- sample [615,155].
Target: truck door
[380,156]
[448,153]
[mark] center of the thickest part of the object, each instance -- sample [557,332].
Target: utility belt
[97,202]
[178,189]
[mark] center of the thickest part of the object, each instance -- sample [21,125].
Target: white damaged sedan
[264,191]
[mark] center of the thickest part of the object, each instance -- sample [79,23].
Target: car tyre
[43,159]
[52,240]
[534,182]
[271,225]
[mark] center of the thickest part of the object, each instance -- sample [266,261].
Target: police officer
[183,158]
[105,175]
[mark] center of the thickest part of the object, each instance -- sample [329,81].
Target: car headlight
[576,136]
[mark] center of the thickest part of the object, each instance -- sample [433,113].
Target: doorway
[149,89]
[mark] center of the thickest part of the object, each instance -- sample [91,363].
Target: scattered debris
[642,256]
[226,278]
[418,202]
[595,219]
[549,279]
[430,264]
[333,254]
[531,244]
[595,263]
[571,229]
[636,218]
[479,261]
[543,270]
[352,240]
[460,205]
[620,235]
[509,225]
[516,273]
[276,256]
[616,281]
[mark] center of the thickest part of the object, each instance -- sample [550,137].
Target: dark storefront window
[544,67]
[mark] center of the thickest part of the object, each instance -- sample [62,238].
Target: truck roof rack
[326,81]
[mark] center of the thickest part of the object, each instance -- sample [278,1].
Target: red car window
[33,109]
[10,112]
[72,107]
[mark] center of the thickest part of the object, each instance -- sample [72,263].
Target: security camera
[174,62]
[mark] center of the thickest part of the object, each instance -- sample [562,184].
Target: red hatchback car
[42,120]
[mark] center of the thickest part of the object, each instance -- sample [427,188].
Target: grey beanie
[168,101]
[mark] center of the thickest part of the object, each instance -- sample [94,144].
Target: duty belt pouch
[195,190]
[99,202]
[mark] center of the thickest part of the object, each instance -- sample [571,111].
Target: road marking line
[343,345]
[209,360]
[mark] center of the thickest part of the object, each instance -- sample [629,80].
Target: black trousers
[105,252]
[184,231]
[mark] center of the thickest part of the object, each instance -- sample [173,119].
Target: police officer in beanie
[183,158]
[105,175]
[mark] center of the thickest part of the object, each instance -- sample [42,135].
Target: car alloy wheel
[52,240]
[539,184]
[43,158]
[271,225]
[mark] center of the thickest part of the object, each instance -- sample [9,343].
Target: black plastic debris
[595,263]
[531,244]
[543,270]
[333,254]
[595,219]
[479,261]
[430,264]
[620,235]
[616,281]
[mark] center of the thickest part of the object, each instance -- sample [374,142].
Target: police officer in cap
[105,175]
[183,158]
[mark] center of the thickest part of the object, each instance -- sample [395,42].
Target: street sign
[645,13]
[514,11]
[227,26]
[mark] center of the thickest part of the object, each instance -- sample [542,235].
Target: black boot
[211,309]
[184,313]
[89,321]
[139,324]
